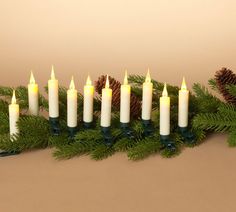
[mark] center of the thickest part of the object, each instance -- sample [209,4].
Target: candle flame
[183,86]
[13,100]
[53,74]
[126,78]
[88,81]
[32,80]
[72,83]
[148,77]
[165,93]
[107,82]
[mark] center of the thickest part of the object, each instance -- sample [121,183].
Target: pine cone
[223,78]
[135,104]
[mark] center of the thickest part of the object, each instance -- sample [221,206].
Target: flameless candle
[33,96]
[164,113]
[125,101]
[183,105]
[53,96]
[106,105]
[72,105]
[13,115]
[147,98]
[88,101]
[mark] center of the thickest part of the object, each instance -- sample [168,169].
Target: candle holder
[88,125]
[127,131]
[167,143]
[5,154]
[107,136]
[148,127]
[188,136]
[72,131]
[55,126]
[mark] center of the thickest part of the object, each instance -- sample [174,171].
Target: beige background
[173,38]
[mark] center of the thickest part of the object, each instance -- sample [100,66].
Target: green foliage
[231,89]
[232,138]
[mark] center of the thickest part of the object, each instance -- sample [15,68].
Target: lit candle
[106,105]
[33,96]
[13,115]
[164,113]
[183,105]
[125,101]
[147,98]
[53,96]
[88,101]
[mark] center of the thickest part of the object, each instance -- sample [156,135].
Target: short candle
[125,101]
[33,96]
[183,105]
[14,113]
[164,113]
[147,98]
[106,105]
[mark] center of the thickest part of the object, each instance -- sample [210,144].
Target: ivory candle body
[183,105]
[147,98]
[14,112]
[72,105]
[88,101]
[53,98]
[164,113]
[125,101]
[33,96]
[106,105]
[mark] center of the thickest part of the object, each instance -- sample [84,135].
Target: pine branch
[4,123]
[124,144]
[231,89]
[232,138]
[102,151]
[213,85]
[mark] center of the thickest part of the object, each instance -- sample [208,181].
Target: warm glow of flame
[53,74]
[107,82]
[72,84]
[148,77]
[165,93]
[13,100]
[32,80]
[88,81]
[126,78]
[183,86]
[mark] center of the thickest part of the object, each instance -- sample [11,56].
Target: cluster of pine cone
[223,78]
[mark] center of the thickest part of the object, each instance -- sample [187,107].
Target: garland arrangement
[207,114]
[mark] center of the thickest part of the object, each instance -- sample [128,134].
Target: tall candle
[33,96]
[72,105]
[88,101]
[183,105]
[125,101]
[164,113]
[147,98]
[53,96]
[106,105]
[13,115]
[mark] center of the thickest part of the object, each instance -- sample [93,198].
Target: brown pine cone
[135,103]
[223,78]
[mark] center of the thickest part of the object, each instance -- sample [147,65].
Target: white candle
[106,105]
[72,105]
[33,96]
[125,101]
[53,96]
[13,115]
[183,105]
[88,101]
[147,98]
[164,113]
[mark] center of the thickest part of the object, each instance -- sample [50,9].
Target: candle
[53,96]
[183,105]
[88,101]
[147,98]
[125,101]
[33,96]
[106,105]
[164,113]
[13,115]
[72,105]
